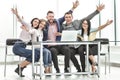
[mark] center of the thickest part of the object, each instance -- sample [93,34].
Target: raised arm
[24,28]
[74,6]
[99,9]
[105,25]
[20,19]
[14,11]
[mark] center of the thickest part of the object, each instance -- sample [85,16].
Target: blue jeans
[19,48]
[47,59]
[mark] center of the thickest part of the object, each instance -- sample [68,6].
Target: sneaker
[79,70]
[57,71]
[66,70]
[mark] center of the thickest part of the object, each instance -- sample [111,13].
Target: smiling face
[85,25]
[68,18]
[50,16]
[35,23]
[42,24]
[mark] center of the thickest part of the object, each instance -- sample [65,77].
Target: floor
[11,75]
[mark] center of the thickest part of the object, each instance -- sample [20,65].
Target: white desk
[87,43]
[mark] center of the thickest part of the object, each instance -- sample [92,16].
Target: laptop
[69,35]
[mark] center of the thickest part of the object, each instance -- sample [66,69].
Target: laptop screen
[69,35]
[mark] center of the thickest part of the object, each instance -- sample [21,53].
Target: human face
[68,18]
[42,24]
[50,17]
[85,25]
[35,23]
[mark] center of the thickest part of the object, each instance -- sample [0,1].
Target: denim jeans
[19,49]
[47,59]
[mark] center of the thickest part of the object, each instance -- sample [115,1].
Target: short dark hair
[50,12]
[68,13]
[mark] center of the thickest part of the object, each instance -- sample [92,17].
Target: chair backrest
[103,40]
[11,41]
[104,45]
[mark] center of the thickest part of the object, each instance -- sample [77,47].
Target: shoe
[19,70]
[57,71]
[93,69]
[49,69]
[83,70]
[66,70]
[79,70]
[46,70]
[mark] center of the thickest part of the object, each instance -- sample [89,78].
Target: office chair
[105,51]
[10,43]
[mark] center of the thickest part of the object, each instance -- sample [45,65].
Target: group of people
[42,30]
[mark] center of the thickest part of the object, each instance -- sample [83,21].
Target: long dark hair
[89,27]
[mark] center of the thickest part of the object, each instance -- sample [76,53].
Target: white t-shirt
[85,36]
[36,33]
[25,36]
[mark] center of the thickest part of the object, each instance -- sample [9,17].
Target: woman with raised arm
[19,47]
[89,34]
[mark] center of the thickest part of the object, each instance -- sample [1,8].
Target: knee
[15,50]
[53,51]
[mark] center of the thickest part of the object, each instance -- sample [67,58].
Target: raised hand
[105,25]
[75,4]
[109,22]
[100,7]
[14,11]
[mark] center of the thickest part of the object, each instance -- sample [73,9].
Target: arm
[24,28]
[75,5]
[31,31]
[14,11]
[105,25]
[98,10]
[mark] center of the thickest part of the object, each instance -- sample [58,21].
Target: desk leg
[98,59]
[87,57]
[33,76]
[41,59]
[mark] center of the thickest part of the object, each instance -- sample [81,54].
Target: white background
[10,28]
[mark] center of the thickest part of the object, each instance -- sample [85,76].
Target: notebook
[69,35]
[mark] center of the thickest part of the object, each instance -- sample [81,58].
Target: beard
[51,21]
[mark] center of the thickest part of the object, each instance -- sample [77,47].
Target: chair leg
[105,63]
[109,58]
[5,61]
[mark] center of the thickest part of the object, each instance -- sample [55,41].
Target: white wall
[38,8]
